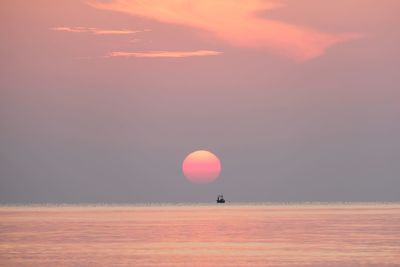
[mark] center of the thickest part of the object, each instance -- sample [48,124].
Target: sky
[101,101]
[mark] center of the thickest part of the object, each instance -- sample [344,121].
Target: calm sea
[201,235]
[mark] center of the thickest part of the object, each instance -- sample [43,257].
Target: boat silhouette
[220,199]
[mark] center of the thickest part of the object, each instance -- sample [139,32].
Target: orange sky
[237,23]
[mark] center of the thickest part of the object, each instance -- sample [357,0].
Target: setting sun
[201,167]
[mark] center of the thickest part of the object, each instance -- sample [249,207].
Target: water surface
[201,235]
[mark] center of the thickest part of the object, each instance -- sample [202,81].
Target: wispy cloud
[165,54]
[97,31]
[236,23]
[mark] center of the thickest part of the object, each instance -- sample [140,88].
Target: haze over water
[201,235]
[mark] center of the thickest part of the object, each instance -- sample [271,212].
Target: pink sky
[297,98]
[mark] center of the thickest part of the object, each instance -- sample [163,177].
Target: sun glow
[201,167]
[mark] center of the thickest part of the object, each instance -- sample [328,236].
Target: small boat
[220,199]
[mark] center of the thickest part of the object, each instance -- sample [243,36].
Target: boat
[220,199]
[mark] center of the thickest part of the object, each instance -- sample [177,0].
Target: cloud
[165,54]
[97,31]
[236,23]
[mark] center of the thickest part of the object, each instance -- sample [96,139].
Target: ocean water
[201,235]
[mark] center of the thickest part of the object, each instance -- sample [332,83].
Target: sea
[243,234]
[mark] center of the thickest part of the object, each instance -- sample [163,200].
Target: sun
[201,167]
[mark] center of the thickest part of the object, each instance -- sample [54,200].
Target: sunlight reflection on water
[201,235]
